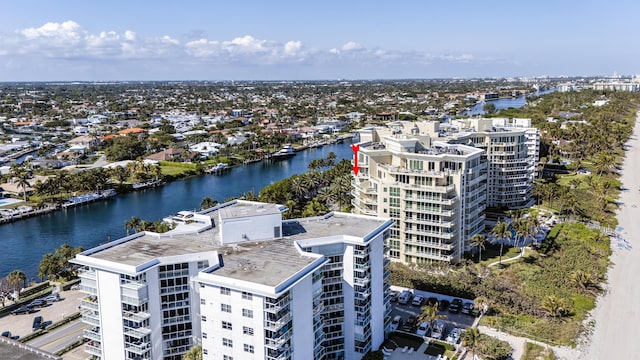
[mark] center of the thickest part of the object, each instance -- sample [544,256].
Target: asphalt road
[59,338]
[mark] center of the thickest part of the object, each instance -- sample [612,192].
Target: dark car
[443,305]
[467,308]
[455,306]
[432,301]
[7,334]
[37,303]
[23,310]
[37,323]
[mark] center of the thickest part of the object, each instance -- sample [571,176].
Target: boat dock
[87,198]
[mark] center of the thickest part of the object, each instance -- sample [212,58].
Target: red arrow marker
[355,148]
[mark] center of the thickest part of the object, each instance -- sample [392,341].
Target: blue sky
[300,40]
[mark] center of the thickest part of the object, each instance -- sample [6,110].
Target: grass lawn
[492,253]
[564,180]
[173,170]
[535,352]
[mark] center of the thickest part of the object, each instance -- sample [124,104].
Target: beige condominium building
[433,190]
[435,180]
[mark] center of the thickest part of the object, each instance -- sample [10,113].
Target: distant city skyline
[293,40]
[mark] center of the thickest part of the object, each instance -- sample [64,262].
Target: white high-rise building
[434,191]
[243,283]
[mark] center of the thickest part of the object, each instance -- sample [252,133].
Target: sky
[122,40]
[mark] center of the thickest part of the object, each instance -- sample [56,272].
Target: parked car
[439,326]
[443,305]
[37,303]
[432,301]
[455,306]
[52,298]
[467,307]
[410,324]
[23,310]
[396,322]
[417,300]
[7,334]
[423,329]
[405,297]
[394,295]
[37,323]
[454,336]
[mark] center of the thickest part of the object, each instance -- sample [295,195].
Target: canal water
[24,242]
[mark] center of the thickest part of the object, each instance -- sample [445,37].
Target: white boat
[220,167]
[285,153]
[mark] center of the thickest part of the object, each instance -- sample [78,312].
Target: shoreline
[616,319]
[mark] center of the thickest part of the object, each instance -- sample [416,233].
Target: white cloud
[68,41]
[352,46]
[130,35]
[68,29]
[291,48]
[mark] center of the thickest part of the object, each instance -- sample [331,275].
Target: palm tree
[132,224]
[207,203]
[430,314]
[481,303]
[479,241]
[195,353]
[553,305]
[15,278]
[501,231]
[471,339]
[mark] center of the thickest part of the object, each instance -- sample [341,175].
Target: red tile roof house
[173,154]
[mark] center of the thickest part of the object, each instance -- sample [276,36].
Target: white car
[417,300]
[423,329]
[454,336]
[395,323]
[438,329]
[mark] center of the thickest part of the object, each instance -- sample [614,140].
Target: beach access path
[617,319]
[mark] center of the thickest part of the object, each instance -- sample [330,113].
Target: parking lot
[21,325]
[452,320]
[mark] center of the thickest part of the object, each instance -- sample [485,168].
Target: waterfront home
[173,154]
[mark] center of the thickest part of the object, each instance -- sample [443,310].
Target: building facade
[436,180]
[242,283]
[434,191]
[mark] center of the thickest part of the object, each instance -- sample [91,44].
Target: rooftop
[15,350]
[265,262]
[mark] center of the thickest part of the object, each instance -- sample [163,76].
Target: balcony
[432,256]
[361,281]
[278,341]
[137,333]
[278,324]
[139,349]
[88,274]
[173,274]
[91,318]
[91,335]
[361,267]
[275,308]
[93,350]
[89,304]
[135,316]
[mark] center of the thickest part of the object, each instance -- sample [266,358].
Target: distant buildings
[435,180]
[243,283]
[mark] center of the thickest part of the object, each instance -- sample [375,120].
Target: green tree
[207,203]
[501,231]
[489,108]
[479,241]
[470,340]
[554,306]
[132,224]
[430,314]
[15,278]
[195,353]
[49,267]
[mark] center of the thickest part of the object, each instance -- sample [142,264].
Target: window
[247,330]
[204,351]
[203,264]
[248,348]
[225,308]
[227,325]
[247,296]
[203,302]
[227,357]
[204,335]
[227,342]
[247,313]
[225,291]
[204,318]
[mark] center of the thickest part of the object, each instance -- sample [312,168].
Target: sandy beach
[617,319]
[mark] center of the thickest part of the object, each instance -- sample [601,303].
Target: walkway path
[509,259]
[518,344]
